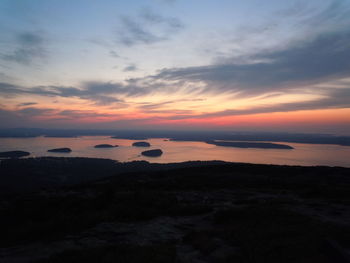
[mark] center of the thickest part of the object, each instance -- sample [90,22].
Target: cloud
[94,88]
[147,106]
[102,93]
[301,64]
[335,99]
[133,33]
[335,15]
[30,39]
[317,55]
[311,61]
[131,67]
[296,68]
[148,28]
[24,117]
[35,112]
[149,16]
[113,54]
[46,116]
[26,104]
[11,119]
[8,90]
[81,114]
[29,46]
[7,78]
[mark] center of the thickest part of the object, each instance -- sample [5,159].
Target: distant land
[60,150]
[105,146]
[153,153]
[202,136]
[141,144]
[259,145]
[14,154]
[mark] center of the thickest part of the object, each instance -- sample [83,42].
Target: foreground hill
[190,212]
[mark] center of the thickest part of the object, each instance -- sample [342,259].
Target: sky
[176,64]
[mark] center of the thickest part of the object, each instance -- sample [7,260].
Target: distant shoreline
[202,136]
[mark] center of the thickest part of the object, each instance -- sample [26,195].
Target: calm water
[303,154]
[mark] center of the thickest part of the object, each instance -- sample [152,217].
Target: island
[141,144]
[153,153]
[259,145]
[60,150]
[13,154]
[105,146]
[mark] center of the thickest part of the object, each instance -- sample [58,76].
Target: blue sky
[85,37]
[130,56]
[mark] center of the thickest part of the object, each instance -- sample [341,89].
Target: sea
[181,151]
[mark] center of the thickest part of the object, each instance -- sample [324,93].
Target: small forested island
[105,146]
[141,144]
[153,153]
[13,154]
[60,150]
[260,145]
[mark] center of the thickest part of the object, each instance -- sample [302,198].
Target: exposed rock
[105,146]
[13,154]
[141,144]
[60,150]
[153,153]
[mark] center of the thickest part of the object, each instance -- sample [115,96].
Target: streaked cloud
[147,28]
[296,59]
[28,47]
[310,61]
[113,54]
[26,104]
[131,67]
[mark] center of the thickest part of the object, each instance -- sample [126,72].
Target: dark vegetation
[124,253]
[105,146]
[14,154]
[33,174]
[261,145]
[141,144]
[217,212]
[60,150]
[153,153]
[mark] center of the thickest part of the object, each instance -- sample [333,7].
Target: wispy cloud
[311,61]
[131,67]
[26,104]
[28,47]
[35,112]
[114,54]
[335,99]
[100,93]
[299,67]
[147,28]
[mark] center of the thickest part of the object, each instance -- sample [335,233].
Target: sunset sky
[176,64]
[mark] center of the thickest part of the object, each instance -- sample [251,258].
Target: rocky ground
[213,213]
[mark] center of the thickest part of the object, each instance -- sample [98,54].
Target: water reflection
[303,154]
